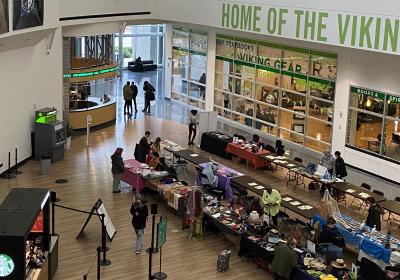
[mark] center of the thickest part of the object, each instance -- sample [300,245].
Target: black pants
[134,102]
[146,105]
[128,106]
[192,132]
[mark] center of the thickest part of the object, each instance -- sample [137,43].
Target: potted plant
[69,136]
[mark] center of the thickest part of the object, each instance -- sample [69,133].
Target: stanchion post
[16,162]
[53,219]
[151,249]
[104,261]
[84,277]
[98,262]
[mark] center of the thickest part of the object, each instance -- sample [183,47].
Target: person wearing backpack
[148,96]
[134,94]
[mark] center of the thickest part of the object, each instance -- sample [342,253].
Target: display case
[25,241]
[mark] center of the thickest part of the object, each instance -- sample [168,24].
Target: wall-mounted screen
[3,16]
[28,13]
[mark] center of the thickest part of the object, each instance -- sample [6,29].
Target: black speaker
[154,209]
[53,196]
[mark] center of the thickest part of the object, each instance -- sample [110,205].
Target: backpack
[152,97]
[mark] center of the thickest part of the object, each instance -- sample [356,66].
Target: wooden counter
[101,114]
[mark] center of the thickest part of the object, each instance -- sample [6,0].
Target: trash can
[45,164]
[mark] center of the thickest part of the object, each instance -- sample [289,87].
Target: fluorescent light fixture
[45,200]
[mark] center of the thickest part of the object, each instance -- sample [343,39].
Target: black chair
[378,192]
[392,272]
[304,228]
[370,270]
[395,140]
[286,224]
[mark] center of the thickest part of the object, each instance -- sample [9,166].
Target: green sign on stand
[161,232]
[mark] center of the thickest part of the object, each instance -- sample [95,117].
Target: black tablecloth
[215,145]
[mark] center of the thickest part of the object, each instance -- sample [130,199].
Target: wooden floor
[88,172]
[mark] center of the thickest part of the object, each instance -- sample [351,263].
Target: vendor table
[221,226]
[215,143]
[392,206]
[250,184]
[299,207]
[225,174]
[130,175]
[248,155]
[357,191]
[191,156]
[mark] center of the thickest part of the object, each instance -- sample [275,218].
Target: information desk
[26,250]
[102,113]
[254,158]
[215,143]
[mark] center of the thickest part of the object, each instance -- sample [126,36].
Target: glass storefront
[279,90]
[373,122]
[189,66]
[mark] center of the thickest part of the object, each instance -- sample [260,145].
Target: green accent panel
[180,49]
[224,59]
[295,75]
[161,232]
[321,81]
[324,54]
[244,40]
[41,120]
[227,37]
[295,49]
[200,32]
[243,63]
[198,53]
[270,69]
[268,44]
[368,92]
[90,74]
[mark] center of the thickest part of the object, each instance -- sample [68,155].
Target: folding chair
[286,224]
[359,202]
[304,228]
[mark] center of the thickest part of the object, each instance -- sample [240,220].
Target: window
[279,90]
[189,60]
[373,122]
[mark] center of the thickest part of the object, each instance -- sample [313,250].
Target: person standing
[202,87]
[148,96]
[134,94]
[279,148]
[285,260]
[272,203]
[374,214]
[340,166]
[139,214]
[193,122]
[117,169]
[128,96]
[144,142]
[328,161]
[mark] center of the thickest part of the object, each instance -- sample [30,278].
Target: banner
[27,13]
[3,16]
[361,31]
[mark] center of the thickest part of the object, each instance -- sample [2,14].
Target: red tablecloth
[248,155]
[131,177]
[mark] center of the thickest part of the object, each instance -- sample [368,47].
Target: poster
[3,16]
[27,13]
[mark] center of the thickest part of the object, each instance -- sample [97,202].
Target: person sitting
[330,234]
[154,161]
[163,166]
[208,177]
[279,148]
[156,146]
[256,140]
[285,259]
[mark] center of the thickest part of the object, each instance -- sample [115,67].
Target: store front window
[373,122]
[279,90]
[189,66]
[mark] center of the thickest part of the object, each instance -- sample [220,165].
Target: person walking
[117,169]
[134,94]
[193,122]
[340,166]
[139,214]
[148,96]
[128,96]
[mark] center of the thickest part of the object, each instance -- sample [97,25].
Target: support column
[120,53]
[211,52]
[66,69]
[341,100]
[167,60]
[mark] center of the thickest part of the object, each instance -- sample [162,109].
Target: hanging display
[27,13]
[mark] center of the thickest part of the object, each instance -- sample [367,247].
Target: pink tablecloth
[131,177]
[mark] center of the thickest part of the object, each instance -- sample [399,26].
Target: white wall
[27,76]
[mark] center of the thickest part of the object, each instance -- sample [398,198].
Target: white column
[341,100]
[210,70]
[167,60]
[120,53]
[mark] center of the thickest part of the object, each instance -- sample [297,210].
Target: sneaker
[137,252]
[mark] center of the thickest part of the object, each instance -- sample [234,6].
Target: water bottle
[373,231]
[362,225]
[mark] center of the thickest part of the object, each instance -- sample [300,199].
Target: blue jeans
[139,239]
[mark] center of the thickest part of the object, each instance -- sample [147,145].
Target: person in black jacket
[330,234]
[148,96]
[117,169]
[144,142]
[134,92]
[340,166]
[279,148]
[139,214]
[374,213]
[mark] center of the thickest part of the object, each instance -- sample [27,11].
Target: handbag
[308,260]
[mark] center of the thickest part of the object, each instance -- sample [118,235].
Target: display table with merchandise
[215,143]
[372,245]
[244,151]
[224,178]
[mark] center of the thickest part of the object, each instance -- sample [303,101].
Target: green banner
[368,92]
[161,232]
[89,74]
